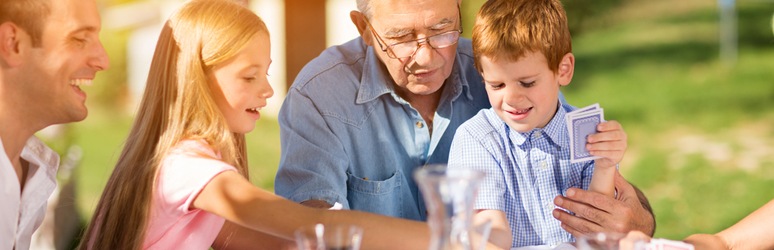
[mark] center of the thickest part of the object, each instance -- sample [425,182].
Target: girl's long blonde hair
[177,105]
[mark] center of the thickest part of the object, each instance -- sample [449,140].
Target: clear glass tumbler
[329,237]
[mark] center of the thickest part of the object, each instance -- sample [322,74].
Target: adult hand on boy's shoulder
[599,213]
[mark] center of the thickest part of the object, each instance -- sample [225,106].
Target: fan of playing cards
[580,124]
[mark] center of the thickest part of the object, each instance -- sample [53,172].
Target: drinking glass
[329,237]
[449,195]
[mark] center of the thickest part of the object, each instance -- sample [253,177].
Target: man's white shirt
[21,215]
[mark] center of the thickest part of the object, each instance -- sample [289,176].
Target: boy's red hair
[511,28]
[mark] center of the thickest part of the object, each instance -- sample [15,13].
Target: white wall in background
[338,26]
[273,14]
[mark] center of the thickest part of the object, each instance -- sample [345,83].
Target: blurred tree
[469,9]
[772,23]
[580,13]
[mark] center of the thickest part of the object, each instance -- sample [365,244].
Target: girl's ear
[359,21]
[566,69]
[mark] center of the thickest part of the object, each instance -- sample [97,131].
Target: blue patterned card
[580,124]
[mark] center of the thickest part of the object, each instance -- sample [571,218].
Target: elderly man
[363,115]
[47,50]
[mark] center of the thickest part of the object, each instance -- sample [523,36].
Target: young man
[47,50]
[524,53]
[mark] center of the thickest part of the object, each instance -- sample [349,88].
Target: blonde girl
[183,169]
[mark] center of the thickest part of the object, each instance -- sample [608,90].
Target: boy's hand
[609,143]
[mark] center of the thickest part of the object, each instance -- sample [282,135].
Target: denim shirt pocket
[381,197]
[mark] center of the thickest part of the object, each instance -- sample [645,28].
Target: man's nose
[424,55]
[99,59]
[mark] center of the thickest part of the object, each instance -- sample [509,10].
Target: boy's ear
[566,69]
[10,44]
[362,28]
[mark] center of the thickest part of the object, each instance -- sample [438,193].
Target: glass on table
[329,237]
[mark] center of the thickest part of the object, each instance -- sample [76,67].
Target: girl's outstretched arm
[232,197]
[235,237]
[752,232]
[500,235]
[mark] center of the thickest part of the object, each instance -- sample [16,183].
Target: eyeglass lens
[440,41]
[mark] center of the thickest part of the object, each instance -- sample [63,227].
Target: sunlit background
[690,80]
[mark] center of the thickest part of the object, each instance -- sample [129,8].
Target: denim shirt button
[420,124]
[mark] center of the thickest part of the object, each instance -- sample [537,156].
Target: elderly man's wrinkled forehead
[407,8]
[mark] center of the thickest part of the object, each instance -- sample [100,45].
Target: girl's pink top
[184,173]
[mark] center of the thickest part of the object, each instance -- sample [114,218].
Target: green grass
[701,144]
[659,74]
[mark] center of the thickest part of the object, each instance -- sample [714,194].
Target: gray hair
[364,6]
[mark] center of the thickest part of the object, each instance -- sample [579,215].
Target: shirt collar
[376,80]
[43,164]
[556,129]
[36,152]
[459,75]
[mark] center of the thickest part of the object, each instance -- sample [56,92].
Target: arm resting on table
[753,232]
[501,232]
[232,197]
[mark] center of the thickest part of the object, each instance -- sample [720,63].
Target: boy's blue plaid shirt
[524,172]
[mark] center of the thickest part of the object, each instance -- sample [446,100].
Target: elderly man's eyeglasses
[407,49]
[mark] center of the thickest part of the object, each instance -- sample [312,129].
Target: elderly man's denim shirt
[347,137]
